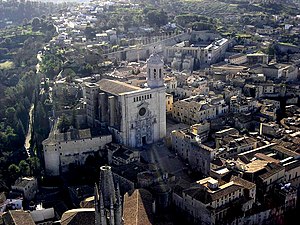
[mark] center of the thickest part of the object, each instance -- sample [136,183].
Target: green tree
[74,121]
[63,123]
[10,114]
[90,32]
[20,132]
[201,26]
[24,168]
[14,172]
[7,41]
[34,165]
[35,24]
[157,17]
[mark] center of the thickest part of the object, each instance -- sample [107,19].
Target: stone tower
[108,207]
[155,75]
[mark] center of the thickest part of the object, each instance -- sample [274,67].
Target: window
[154,73]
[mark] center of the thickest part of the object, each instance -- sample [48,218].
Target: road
[28,136]
[29,132]
[166,160]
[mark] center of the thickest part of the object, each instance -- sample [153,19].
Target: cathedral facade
[135,116]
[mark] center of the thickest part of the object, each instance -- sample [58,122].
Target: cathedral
[135,116]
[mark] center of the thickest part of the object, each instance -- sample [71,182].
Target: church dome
[155,59]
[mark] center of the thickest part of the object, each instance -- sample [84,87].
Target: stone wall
[58,155]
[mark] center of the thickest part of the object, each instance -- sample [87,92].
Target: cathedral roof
[138,208]
[116,87]
[155,59]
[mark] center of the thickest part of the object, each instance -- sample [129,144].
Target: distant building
[243,104]
[257,58]
[169,103]
[238,59]
[183,56]
[171,84]
[276,71]
[197,109]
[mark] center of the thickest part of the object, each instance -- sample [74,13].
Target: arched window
[154,73]
[159,73]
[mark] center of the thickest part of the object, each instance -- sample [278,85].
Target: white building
[238,59]
[60,149]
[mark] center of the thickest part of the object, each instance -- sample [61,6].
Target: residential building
[121,155]
[26,186]
[242,104]
[197,109]
[169,103]
[284,71]
[210,202]
[187,144]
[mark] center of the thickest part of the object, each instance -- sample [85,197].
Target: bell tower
[155,75]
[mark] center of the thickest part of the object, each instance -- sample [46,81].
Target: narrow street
[29,132]
[28,136]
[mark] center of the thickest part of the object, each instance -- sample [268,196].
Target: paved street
[165,159]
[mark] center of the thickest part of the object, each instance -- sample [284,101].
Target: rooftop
[155,59]
[116,87]
[17,217]
[138,208]
[78,217]
[23,181]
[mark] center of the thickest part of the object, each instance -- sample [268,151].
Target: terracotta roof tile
[17,217]
[138,208]
[78,217]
